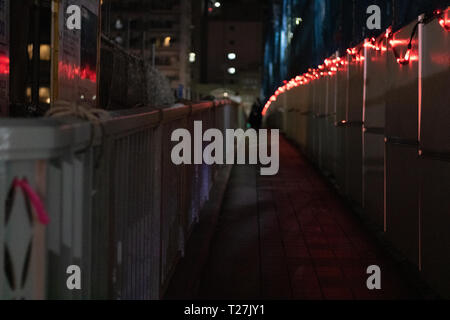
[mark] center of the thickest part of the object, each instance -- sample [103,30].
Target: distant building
[234,52]
[232,57]
[158,30]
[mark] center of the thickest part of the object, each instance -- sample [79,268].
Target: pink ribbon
[35,200]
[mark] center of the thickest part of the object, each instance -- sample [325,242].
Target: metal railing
[118,207]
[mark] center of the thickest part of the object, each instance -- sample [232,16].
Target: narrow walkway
[291,237]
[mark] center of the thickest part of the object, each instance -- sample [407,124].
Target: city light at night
[224,159]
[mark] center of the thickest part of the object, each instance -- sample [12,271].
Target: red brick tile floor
[290,236]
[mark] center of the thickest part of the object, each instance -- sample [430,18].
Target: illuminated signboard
[4,57]
[77,55]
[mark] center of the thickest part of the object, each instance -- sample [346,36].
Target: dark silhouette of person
[255,117]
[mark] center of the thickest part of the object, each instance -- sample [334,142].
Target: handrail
[143,118]
[43,138]
[34,138]
[196,108]
[176,112]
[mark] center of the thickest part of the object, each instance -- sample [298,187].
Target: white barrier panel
[304,114]
[321,96]
[341,120]
[435,148]
[295,102]
[402,199]
[435,223]
[376,73]
[312,135]
[402,184]
[293,107]
[354,127]
[435,99]
[389,145]
[331,129]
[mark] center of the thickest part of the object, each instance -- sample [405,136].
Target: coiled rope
[93,115]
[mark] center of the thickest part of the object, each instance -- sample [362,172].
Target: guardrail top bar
[44,138]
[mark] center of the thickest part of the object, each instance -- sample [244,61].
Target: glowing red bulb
[351,51]
[408,54]
[444,24]
[4,65]
[388,32]
[406,58]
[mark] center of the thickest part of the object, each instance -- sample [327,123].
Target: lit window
[45,52]
[119,24]
[30,51]
[232,70]
[231,56]
[28,94]
[167,41]
[192,57]
[44,94]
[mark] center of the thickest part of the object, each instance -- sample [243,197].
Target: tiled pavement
[291,237]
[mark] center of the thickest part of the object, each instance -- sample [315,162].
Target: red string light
[370,43]
[330,66]
[445,24]
[373,44]
[71,72]
[351,51]
[406,59]
[4,65]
